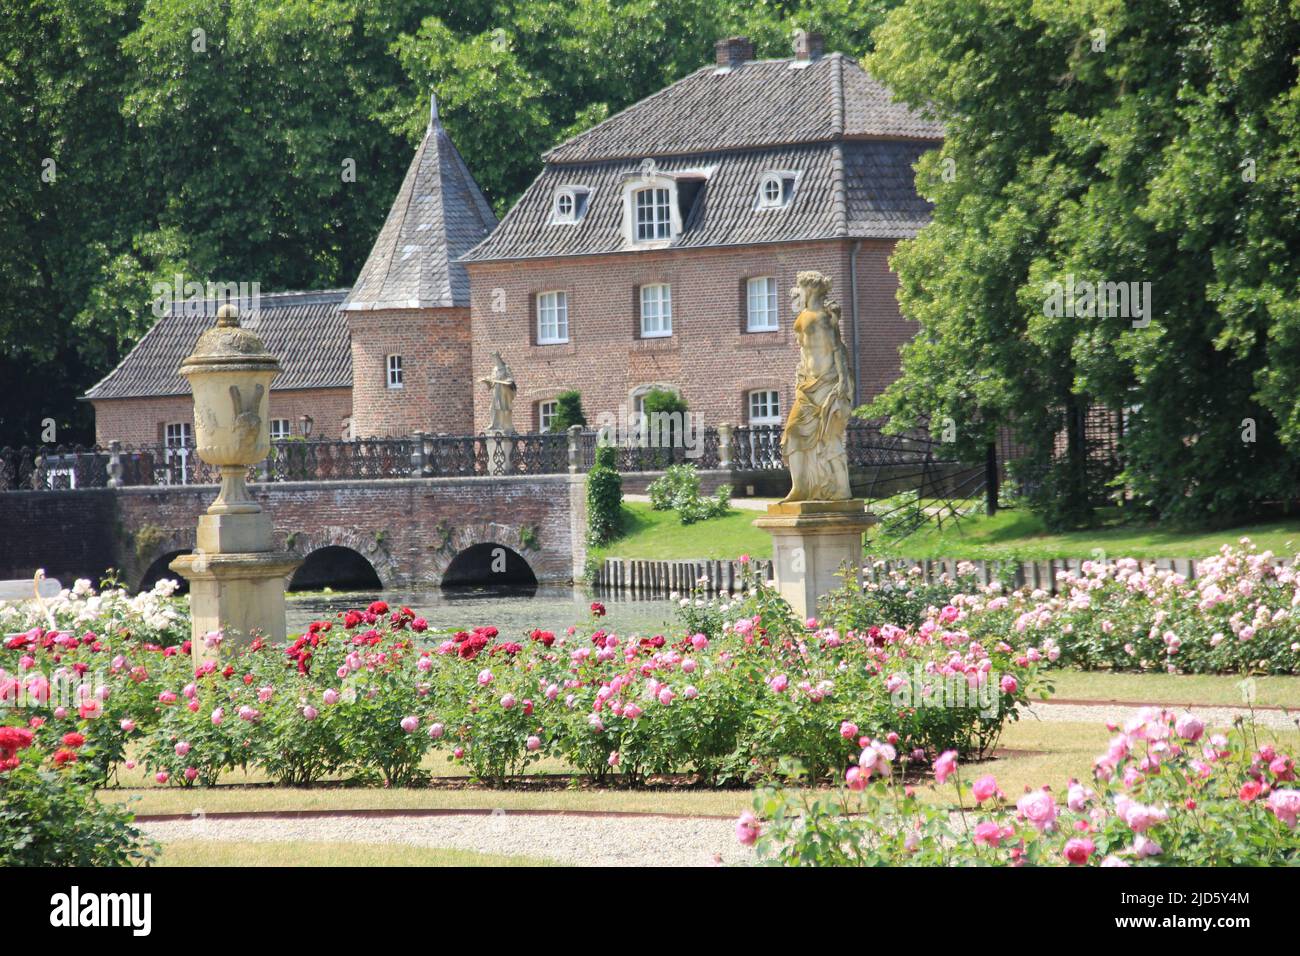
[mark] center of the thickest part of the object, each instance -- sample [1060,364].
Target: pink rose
[985,788]
[945,766]
[436,731]
[1038,808]
[533,743]
[182,748]
[848,730]
[748,829]
[508,701]
[1189,727]
[410,724]
[330,696]
[1078,850]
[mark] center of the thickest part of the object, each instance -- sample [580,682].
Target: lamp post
[236,577]
[306,421]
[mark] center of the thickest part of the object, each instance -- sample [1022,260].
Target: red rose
[597,609]
[379,607]
[73,740]
[64,756]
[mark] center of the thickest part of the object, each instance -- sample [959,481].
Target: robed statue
[813,441]
[503,387]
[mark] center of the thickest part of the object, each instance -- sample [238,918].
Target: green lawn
[1031,753]
[222,853]
[1018,534]
[1175,689]
[1015,534]
[649,534]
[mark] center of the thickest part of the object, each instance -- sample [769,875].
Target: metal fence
[738,449]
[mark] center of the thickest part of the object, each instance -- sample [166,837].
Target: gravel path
[1102,712]
[563,838]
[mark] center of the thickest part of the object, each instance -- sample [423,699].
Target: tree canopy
[212,138]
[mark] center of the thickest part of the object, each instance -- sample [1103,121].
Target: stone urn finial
[230,372]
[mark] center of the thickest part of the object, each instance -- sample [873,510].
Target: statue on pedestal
[813,441]
[503,388]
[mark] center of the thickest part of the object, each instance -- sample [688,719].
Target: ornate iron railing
[740,449]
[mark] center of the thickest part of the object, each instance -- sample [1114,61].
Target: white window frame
[631,190]
[656,310]
[184,431]
[546,412]
[578,199]
[786,183]
[394,371]
[771,307]
[279,434]
[657,201]
[771,402]
[552,310]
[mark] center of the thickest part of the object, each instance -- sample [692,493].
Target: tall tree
[1107,142]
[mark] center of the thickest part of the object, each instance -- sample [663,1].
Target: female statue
[813,441]
[503,388]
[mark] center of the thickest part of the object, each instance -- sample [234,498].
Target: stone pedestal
[812,541]
[500,453]
[236,581]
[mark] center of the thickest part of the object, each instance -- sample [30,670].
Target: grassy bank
[1020,535]
[1009,535]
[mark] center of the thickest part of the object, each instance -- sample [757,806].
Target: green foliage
[52,818]
[568,412]
[604,497]
[1167,157]
[678,489]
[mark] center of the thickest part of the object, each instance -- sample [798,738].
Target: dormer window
[653,214]
[570,204]
[775,190]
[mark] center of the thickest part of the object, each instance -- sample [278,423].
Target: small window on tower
[395,371]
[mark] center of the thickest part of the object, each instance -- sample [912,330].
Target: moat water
[511,610]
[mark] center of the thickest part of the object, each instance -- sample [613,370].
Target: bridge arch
[338,567]
[343,548]
[158,569]
[489,563]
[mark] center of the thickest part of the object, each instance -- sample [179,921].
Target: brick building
[145,401]
[657,248]
[654,250]
[409,311]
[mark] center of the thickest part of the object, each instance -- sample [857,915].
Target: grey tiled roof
[438,215]
[871,196]
[762,103]
[852,148]
[305,330]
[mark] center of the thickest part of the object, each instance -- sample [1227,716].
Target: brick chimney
[733,51]
[809,46]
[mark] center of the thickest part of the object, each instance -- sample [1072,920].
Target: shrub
[1163,794]
[49,814]
[678,489]
[604,497]
[568,412]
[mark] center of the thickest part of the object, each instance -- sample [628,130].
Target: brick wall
[710,357]
[137,421]
[409,530]
[436,390]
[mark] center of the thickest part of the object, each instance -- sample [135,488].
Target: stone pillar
[115,464]
[417,454]
[575,449]
[812,541]
[724,446]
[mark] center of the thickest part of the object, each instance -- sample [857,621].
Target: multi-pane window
[552,317]
[179,435]
[546,414]
[656,310]
[394,366]
[765,407]
[280,429]
[761,294]
[653,218]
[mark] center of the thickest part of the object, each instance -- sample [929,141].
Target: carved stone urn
[237,578]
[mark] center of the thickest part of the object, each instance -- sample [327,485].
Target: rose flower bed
[369,694]
[1241,615]
[1163,793]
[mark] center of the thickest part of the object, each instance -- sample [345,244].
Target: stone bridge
[386,534]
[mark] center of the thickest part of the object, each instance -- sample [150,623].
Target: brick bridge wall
[408,529]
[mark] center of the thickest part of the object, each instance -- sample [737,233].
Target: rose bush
[1240,615]
[369,694]
[1164,793]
